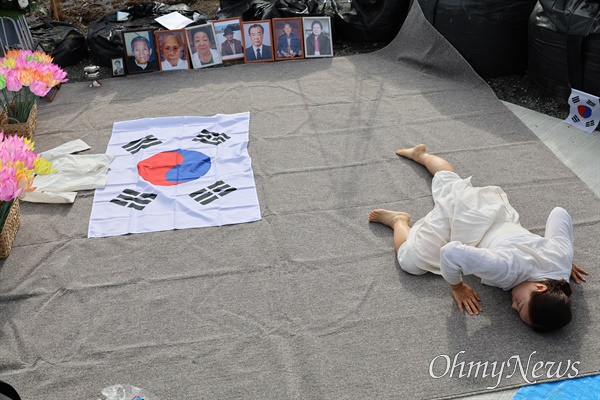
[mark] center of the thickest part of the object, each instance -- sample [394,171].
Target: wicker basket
[24,129]
[9,231]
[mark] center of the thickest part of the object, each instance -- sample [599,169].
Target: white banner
[176,173]
[585,110]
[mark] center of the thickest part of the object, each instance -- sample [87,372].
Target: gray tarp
[307,303]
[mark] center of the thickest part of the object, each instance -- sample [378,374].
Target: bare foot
[389,218]
[413,153]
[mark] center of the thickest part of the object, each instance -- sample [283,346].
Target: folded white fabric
[73,173]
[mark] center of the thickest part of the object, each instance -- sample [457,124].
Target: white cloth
[196,60]
[166,66]
[73,173]
[475,231]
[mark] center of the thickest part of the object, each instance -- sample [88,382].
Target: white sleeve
[559,227]
[458,259]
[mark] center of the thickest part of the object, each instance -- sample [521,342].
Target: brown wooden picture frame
[52,93]
[162,48]
[252,29]
[288,46]
[143,36]
[196,45]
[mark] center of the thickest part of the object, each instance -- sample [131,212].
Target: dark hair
[316,22]
[135,39]
[551,310]
[206,31]
[262,30]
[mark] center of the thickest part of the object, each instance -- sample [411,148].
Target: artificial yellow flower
[22,170]
[8,63]
[43,167]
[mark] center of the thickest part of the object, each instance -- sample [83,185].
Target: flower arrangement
[24,75]
[18,166]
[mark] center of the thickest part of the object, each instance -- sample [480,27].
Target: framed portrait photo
[203,46]
[317,37]
[172,49]
[288,37]
[118,66]
[230,41]
[257,39]
[52,93]
[140,51]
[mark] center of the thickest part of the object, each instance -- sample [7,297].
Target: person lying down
[475,231]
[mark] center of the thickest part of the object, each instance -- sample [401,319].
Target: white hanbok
[475,231]
[181,64]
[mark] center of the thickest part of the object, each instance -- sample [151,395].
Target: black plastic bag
[104,35]
[564,47]
[254,10]
[65,43]
[573,17]
[369,20]
[8,392]
[352,20]
[490,34]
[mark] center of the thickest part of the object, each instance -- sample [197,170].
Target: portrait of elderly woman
[173,49]
[202,45]
[139,51]
[317,37]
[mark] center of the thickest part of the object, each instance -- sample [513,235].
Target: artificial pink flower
[9,187]
[13,83]
[39,88]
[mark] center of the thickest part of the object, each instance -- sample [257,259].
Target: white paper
[173,20]
[122,16]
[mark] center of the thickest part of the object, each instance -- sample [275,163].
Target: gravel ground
[514,89]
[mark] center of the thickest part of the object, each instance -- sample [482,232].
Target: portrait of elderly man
[231,46]
[259,37]
[118,67]
[289,44]
[141,56]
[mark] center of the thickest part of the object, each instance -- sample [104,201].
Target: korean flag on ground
[176,173]
[585,111]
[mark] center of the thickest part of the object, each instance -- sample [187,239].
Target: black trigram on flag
[575,118]
[590,103]
[590,123]
[575,99]
[143,143]
[212,192]
[209,137]
[132,199]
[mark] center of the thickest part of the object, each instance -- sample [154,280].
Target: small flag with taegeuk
[585,110]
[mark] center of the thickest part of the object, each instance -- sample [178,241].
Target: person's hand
[466,298]
[577,274]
